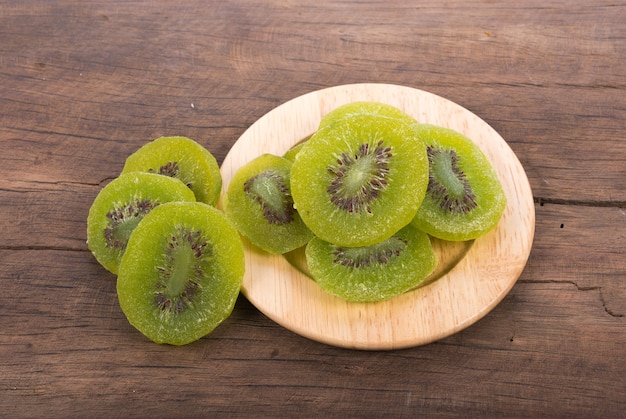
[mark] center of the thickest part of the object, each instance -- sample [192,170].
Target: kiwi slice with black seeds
[464,199]
[259,203]
[121,205]
[181,273]
[360,179]
[181,158]
[372,273]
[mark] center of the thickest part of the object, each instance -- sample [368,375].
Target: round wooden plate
[475,279]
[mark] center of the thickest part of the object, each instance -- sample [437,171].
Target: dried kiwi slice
[355,109]
[181,273]
[373,273]
[360,179]
[465,198]
[291,153]
[182,158]
[259,203]
[365,108]
[121,205]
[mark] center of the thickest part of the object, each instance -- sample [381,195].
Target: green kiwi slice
[181,273]
[291,153]
[360,179]
[182,158]
[354,109]
[372,273]
[259,203]
[121,205]
[464,199]
[365,108]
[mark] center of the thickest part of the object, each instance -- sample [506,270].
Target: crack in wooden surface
[579,288]
[579,203]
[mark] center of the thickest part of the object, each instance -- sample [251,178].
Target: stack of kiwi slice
[363,196]
[179,261]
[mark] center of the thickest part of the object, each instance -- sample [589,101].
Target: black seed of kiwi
[371,164]
[270,190]
[447,183]
[177,299]
[122,220]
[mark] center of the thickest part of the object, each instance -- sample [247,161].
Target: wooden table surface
[85,83]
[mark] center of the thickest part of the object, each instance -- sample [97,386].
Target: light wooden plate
[472,277]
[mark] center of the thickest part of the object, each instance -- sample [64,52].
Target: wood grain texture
[85,83]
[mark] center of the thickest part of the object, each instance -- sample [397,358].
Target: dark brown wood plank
[521,68]
[45,215]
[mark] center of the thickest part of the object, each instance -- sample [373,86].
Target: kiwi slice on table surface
[259,203]
[182,158]
[372,273]
[181,273]
[365,108]
[464,199]
[121,205]
[359,180]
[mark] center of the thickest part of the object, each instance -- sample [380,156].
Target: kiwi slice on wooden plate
[259,203]
[372,273]
[182,158]
[365,108]
[291,153]
[360,179]
[355,109]
[464,199]
[121,205]
[181,273]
